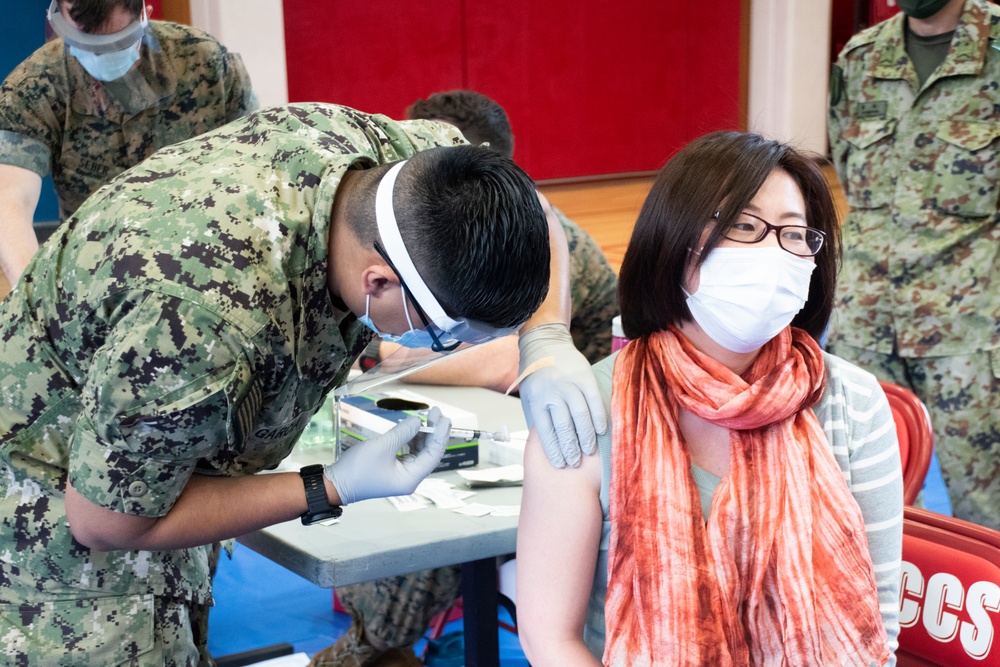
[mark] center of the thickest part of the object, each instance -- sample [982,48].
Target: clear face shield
[441,335]
[105,57]
[97,44]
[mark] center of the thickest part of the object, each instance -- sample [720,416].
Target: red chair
[949,599]
[916,441]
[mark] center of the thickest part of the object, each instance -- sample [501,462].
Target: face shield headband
[96,43]
[445,331]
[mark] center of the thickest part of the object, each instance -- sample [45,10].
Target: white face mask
[746,296]
[108,66]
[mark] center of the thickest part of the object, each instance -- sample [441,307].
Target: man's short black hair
[474,228]
[92,15]
[477,117]
[720,172]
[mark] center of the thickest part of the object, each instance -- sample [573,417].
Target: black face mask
[921,9]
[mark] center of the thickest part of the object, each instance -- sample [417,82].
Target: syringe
[500,435]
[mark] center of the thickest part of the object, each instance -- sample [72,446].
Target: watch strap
[319,505]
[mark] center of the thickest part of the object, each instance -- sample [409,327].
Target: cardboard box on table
[361,418]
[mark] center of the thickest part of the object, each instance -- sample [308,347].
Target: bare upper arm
[19,185]
[19,192]
[558,538]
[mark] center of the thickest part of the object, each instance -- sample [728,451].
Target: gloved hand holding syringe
[500,435]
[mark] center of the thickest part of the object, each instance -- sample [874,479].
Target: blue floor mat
[259,603]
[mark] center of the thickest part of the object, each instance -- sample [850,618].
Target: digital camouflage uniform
[55,117]
[918,301]
[178,323]
[396,611]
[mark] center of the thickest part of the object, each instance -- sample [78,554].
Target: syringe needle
[500,435]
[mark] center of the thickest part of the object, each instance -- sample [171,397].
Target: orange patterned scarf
[781,574]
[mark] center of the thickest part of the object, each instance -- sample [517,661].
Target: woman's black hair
[720,172]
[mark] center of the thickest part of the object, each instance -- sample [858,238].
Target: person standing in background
[915,133]
[110,91]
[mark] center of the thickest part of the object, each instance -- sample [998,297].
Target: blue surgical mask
[412,338]
[108,66]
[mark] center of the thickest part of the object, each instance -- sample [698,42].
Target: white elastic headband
[96,43]
[388,229]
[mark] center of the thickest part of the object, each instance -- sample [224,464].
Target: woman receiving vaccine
[746,505]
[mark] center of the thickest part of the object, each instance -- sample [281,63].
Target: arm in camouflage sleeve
[163,392]
[19,192]
[837,119]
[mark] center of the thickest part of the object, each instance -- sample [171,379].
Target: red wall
[591,86]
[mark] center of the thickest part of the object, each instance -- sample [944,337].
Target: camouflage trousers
[394,612]
[962,395]
[139,630]
[127,631]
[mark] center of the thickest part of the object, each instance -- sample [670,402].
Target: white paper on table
[442,493]
[475,509]
[329,522]
[506,510]
[511,473]
[408,503]
[479,509]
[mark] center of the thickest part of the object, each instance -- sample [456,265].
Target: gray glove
[561,400]
[371,469]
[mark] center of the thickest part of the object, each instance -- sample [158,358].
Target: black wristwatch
[320,508]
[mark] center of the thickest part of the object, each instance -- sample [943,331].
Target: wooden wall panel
[178,11]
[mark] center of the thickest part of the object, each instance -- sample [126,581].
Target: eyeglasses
[796,239]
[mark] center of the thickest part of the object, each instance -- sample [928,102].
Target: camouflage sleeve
[240,98]
[30,109]
[19,150]
[159,395]
[837,119]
